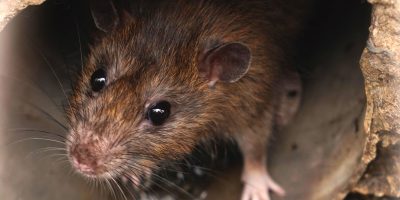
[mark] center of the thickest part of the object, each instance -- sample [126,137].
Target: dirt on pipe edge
[10,8]
[380,66]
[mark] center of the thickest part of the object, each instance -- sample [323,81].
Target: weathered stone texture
[380,64]
[9,8]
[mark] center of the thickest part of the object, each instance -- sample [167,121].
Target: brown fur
[154,56]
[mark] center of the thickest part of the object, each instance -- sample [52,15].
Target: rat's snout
[87,159]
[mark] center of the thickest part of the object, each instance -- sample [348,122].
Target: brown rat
[162,80]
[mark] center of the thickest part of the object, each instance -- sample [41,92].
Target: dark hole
[294,147]
[356,126]
[292,94]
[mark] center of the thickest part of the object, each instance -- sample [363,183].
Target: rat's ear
[226,63]
[104,14]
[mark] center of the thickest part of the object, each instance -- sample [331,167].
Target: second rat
[163,79]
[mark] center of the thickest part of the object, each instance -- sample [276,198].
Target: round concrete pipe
[316,157]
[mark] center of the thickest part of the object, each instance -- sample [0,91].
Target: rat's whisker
[153,159]
[54,73]
[38,131]
[45,150]
[120,189]
[61,158]
[130,181]
[136,166]
[157,168]
[56,76]
[57,159]
[111,189]
[131,195]
[97,185]
[51,117]
[34,87]
[174,186]
[124,173]
[103,187]
[80,44]
[35,138]
[134,171]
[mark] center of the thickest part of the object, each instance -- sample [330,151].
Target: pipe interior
[312,158]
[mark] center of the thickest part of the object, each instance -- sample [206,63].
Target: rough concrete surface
[380,66]
[9,8]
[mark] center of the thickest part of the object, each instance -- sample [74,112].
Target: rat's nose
[85,159]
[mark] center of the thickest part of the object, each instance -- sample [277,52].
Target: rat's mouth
[83,168]
[88,169]
[88,160]
[136,178]
[93,171]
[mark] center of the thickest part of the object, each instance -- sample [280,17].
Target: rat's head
[143,100]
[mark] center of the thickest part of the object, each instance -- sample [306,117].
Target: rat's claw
[257,188]
[273,186]
[252,193]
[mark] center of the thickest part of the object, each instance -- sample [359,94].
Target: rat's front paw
[257,188]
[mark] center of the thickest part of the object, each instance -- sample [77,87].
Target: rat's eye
[98,80]
[159,112]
